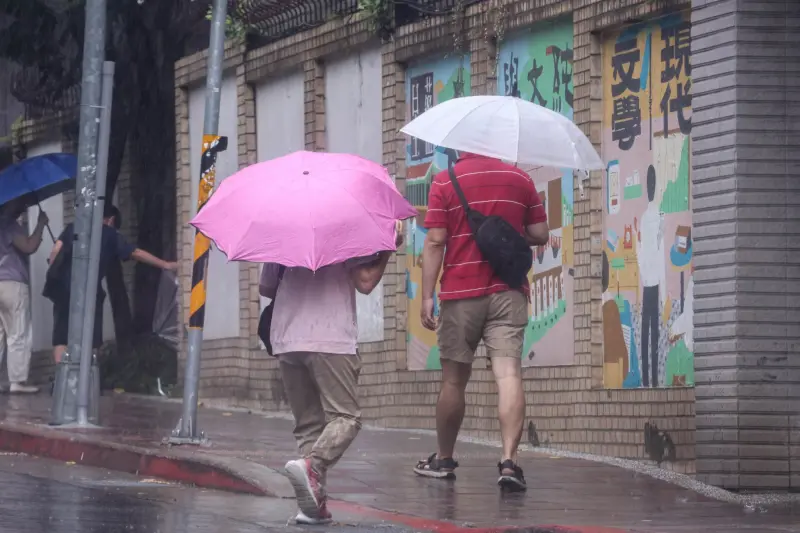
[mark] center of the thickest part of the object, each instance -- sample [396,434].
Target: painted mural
[537,66]
[648,287]
[427,84]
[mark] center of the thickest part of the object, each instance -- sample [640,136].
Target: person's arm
[433,249]
[366,277]
[432,258]
[268,283]
[54,252]
[537,232]
[28,245]
[149,259]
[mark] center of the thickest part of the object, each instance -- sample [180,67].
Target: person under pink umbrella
[314,334]
[326,225]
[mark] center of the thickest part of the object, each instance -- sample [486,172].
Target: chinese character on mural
[562,76]
[676,61]
[626,116]
[511,75]
[421,101]
[533,76]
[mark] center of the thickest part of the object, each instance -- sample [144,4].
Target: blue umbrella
[38,178]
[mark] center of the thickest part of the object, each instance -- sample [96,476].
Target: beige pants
[16,335]
[322,390]
[499,319]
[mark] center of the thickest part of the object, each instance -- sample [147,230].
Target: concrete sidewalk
[374,480]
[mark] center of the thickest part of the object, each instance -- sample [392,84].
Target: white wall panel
[353,102]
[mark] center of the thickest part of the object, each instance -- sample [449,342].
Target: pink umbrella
[306,209]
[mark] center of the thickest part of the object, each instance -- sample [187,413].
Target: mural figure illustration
[647,301]
[652,267]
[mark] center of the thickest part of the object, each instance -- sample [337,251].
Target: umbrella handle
[50,231]
[39,205]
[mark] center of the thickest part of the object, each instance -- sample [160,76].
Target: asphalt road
[38,495]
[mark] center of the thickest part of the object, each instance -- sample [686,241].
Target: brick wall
[747,218]
[567,405]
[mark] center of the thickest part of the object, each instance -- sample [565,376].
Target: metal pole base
[65,395]
[176,439]
[76,425]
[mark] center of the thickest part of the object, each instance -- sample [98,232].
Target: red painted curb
[438,526]
[131,459]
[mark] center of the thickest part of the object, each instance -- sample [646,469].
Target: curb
[219,473]
[201,470]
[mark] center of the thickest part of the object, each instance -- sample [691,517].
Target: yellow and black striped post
[186,432]
[212,145]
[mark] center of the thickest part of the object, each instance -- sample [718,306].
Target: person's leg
[60,327]
[504,335]
[5,318]
[654,335]
[335,377]
[97,331]
[451,405]
[645,340]
[304,401]
[459,333]
[20,339]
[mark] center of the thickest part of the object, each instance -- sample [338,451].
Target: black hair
[110,210]
[651,183]
[605,271]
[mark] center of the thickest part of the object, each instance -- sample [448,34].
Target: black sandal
[436,468]
[512,482]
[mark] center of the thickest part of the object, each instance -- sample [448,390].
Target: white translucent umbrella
[507,128]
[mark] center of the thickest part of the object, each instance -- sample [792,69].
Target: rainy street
[40,495]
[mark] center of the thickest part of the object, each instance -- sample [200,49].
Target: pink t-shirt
[314,311]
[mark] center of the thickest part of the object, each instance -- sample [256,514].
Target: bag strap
[473,217]
[459,191]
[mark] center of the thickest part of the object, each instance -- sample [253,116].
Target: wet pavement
[43,496]
[376,472]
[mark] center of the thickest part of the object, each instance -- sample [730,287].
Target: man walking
[653,272]
[476,304]
[314,334]
[113,247]
[15,302]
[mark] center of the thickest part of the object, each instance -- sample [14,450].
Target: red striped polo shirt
[492,188]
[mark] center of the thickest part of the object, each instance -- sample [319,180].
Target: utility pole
[186,432]
[88,379]
[85,197]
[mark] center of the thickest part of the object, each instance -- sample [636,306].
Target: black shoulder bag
[503,247]
[265,322]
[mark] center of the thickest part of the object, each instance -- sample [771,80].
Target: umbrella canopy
[306,209]
[38,178]
[507,128]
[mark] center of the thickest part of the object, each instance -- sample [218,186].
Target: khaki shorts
[499,319]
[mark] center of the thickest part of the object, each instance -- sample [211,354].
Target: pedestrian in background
[113,247]
[16,336]
[314,334]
